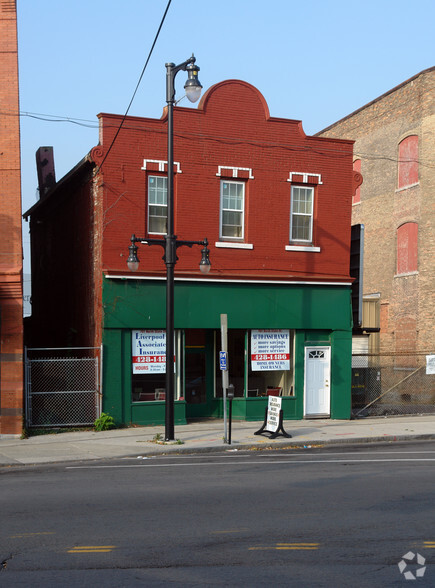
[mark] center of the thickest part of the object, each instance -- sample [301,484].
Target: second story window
[232,210]
[407,248]
[301,217]
[408,162]
[157,204]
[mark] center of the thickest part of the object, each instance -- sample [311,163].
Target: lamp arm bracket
[180,243]
[171,72]
[150,242]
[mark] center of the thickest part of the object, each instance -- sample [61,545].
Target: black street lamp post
[170,243]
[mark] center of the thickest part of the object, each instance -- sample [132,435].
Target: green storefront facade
[316,316]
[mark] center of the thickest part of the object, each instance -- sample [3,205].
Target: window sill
[402,188]
[406,274]
[233,245]
[308,248]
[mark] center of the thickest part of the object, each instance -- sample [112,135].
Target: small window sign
[430,364]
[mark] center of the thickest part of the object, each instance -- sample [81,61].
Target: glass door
[197,378]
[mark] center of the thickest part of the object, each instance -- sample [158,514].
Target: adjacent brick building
[275,206]
[394,150]
[11,255]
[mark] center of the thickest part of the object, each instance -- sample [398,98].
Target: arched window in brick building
[407,248]
[357,168]
[408,162]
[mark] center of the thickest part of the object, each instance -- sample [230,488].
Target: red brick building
[394,150]
[11,255]
[275,206]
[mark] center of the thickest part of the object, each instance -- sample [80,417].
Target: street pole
[170,260]
[170,243]
[224,348]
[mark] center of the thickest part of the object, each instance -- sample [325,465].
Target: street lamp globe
[204,264]
[192,86]
[133,260]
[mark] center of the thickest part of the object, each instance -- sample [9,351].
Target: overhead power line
[230,140]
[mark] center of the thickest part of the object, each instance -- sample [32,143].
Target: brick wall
[231,127]
[63,281]
[378,128]
[11,299]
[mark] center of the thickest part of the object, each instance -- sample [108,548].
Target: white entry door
[317,381]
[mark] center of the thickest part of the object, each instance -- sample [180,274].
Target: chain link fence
[393,384]
[63,387]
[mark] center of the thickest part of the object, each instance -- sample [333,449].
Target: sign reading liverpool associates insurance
[270,349]
[149,351]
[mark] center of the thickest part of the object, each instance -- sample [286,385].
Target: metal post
[224,347]
[170,260]
[230,410]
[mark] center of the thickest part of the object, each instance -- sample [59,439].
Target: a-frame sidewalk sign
[273,419]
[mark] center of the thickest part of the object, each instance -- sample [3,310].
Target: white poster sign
[430,364]
[148,351]
[273,410]
[270,349]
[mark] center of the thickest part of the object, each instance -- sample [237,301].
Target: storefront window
[236,362]
[270,362]
[260,362]
[149,365]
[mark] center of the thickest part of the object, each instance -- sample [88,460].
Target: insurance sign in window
[270,349]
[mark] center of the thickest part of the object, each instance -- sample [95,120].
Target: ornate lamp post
[170,243]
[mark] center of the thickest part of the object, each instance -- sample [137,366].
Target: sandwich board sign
[273,410]
[273,419]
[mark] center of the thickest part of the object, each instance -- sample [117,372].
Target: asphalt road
[314,517]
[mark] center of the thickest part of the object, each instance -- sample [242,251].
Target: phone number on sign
[270,356]
[150,359]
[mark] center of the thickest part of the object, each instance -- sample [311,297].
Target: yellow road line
[301,544]
[89,551]
[92,549]
[301,548]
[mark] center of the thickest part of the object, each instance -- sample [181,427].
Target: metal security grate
[392,384]
[62,387]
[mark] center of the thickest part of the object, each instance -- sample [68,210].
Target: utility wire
[137,86]
[430,163]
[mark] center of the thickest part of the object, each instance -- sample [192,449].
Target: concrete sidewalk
[208,436]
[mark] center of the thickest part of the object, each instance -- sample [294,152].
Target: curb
[268,445]
[292,445]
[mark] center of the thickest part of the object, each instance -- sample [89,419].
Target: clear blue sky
[314,61]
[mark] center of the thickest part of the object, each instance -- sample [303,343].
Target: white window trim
[305,176]
[406,187]
[302,248]
[161,163]
[310,240]
[234,170]
[406,274]
[224,238]
[233,245]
